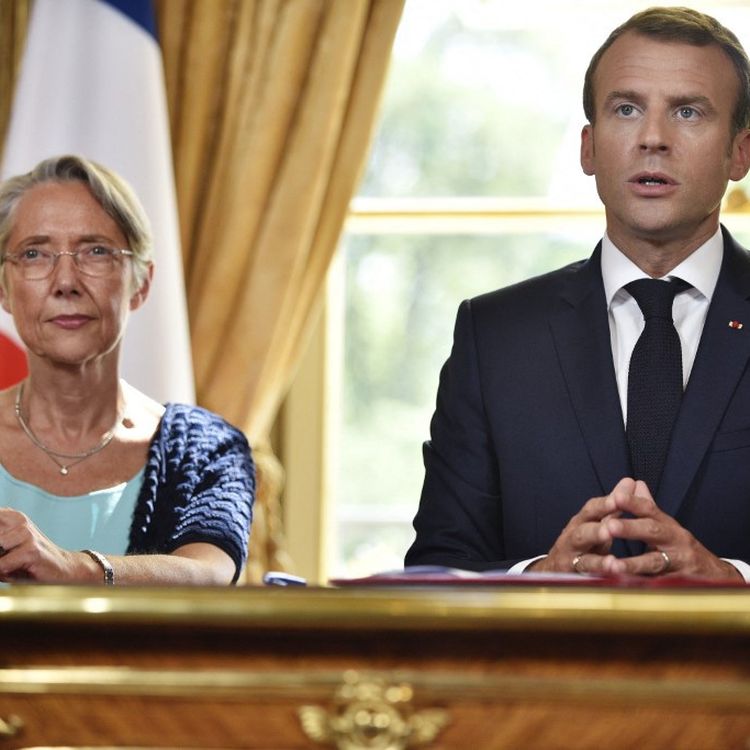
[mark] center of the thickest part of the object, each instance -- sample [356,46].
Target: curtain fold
[14,20]
[272,105]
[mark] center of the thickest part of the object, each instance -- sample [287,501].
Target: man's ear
[587,150]
[141,294]
[740,155]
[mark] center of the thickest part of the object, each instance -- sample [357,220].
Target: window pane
[402,293]
[484,96]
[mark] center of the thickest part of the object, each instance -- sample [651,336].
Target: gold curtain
[14,16]
[272,106]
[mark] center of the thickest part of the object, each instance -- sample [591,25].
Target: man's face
[661,148]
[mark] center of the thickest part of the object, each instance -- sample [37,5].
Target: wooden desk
[469,668]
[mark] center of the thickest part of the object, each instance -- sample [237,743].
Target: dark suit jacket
[528,424]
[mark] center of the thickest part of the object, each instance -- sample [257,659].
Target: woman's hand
[26,554]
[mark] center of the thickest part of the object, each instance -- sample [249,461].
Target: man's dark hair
[689,27]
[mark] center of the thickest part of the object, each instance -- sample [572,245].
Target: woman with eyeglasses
[98,482]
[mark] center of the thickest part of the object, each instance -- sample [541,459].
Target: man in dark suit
[531,464]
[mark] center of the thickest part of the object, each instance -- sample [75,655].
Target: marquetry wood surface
[190,681]
[130,722]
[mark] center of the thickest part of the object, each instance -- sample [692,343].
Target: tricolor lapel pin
[735,324]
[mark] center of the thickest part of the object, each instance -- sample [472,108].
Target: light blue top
[100,520]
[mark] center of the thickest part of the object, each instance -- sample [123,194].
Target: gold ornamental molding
[567,609]
[10,727]
[497,215]
[372,713]
[428,686]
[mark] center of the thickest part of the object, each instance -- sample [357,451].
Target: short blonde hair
[110,190]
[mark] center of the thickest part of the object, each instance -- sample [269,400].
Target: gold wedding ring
[667,561]
[576,563]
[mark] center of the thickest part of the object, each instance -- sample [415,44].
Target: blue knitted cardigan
[198,486]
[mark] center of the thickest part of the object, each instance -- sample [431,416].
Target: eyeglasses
[93,260]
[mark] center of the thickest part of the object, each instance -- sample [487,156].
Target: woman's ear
[141,294]
[4,299]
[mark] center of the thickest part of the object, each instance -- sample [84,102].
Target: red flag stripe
[13,365]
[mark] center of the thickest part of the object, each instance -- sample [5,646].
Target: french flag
[92,83]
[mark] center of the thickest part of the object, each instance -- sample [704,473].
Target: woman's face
[69,317]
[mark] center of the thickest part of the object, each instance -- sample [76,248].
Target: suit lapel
[580,330]
[719,364]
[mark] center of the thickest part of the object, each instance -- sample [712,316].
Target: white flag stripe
[7,327]
[92,83]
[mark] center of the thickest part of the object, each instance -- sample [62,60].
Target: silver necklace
[53,454]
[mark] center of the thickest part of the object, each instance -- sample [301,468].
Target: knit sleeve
[199,486]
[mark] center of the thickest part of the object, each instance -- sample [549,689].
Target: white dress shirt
[701,270]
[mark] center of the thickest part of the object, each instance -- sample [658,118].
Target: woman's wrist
[104,566]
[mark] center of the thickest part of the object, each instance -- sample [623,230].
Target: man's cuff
[520,567]
[741,566]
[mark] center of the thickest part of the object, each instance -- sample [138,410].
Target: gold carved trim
[430,686]
[458,608]
[372,712]
[10,727]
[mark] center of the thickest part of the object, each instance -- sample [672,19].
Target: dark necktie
[654,379]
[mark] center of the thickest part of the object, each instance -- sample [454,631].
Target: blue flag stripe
[138,11]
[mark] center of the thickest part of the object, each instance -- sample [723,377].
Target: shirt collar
[700,269]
